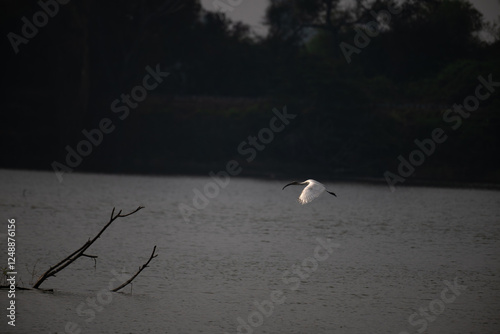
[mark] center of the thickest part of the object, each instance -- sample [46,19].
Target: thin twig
[137,273]
[91,256]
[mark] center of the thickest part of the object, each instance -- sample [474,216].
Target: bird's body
[312,190]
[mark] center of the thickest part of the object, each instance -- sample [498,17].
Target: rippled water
[234,266]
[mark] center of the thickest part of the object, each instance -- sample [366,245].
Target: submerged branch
[153,255]
[80,251]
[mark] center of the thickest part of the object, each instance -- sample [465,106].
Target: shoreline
[322,177]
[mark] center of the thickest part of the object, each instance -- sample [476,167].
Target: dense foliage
[365,81]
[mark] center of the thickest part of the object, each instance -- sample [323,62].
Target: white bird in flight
[313,190]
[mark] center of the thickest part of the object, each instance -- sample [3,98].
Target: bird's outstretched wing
[310,192]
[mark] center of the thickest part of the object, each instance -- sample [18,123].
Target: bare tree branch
[80,251]
[153,255]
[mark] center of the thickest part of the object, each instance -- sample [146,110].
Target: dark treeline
[364,82]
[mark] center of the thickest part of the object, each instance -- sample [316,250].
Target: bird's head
[292,183]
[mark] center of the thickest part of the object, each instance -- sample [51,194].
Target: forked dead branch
[52,271]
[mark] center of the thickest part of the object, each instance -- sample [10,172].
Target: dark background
[353,119]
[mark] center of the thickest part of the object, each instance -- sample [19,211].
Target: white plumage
[312,190]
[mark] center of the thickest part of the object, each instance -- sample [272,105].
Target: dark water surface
[253,260]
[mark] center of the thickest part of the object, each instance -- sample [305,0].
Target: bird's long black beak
[331,193]
[293,183]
